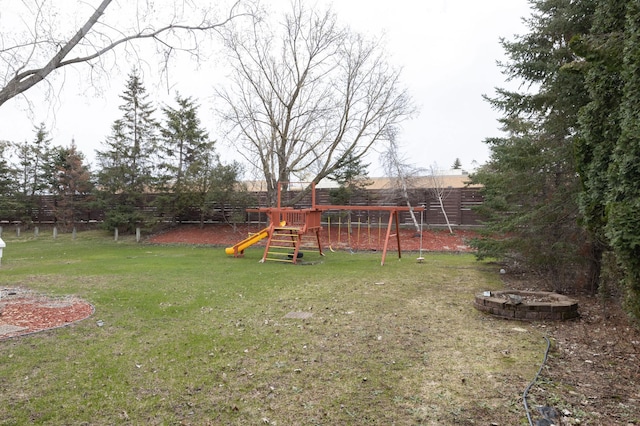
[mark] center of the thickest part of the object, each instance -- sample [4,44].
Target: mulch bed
[25,312]
[361,237]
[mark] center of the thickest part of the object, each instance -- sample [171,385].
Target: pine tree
[8,181]
[352,177]
[127,163]
[183,138]
[530,181]
[184,144]
[34,164]
[71,184]
[33,157]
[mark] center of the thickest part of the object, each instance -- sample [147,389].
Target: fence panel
[459,204]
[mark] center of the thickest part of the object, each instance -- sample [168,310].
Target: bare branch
[23,77]
[439,191]
[401,173]
[305,98]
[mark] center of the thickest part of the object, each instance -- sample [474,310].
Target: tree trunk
[446,218]
[405,195]
[595,266]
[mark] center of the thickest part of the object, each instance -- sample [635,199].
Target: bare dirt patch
[593,370]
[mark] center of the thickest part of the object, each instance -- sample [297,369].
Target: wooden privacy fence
[458,204]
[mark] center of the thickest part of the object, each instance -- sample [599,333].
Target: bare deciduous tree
[401,173]
[34,42]
[306,94]
[439,191]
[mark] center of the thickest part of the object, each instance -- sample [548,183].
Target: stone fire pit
[527,305]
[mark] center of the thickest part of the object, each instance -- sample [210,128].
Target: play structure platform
[289,228]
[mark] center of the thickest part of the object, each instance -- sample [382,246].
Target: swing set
[288,227]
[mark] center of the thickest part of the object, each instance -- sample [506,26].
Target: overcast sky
[447,49]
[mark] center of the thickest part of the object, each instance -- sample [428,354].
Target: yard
[183,334]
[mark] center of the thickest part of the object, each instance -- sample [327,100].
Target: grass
[191,336]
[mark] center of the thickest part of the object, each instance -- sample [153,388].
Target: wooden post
[137,235]
[55,232]
[2,246]
[115,234]
[393,217]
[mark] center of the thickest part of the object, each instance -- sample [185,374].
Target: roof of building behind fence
[458,180]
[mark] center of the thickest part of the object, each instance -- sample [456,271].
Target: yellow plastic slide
[247,242]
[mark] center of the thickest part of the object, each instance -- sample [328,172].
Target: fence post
[2,245]
[73,233]
[18,232]
[115,234]
[137,235]
[55,232]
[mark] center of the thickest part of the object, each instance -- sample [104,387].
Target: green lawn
[191,336]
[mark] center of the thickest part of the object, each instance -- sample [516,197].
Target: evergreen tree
[33,158]
[623,207]
[34,164]
[530,181]
[457,164]
[352,177]
[184,144]
[599,121]
[608,151]
[225,191]
[71,184]
[573,145]
[8,180]
[127,163]
[183,138]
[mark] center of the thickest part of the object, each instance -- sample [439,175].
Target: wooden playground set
[288,229]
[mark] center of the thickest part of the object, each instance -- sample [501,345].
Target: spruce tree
[183,138]
[530,181]
[183,147]
[34,165]
[352,177]
[128,160]
[8,183]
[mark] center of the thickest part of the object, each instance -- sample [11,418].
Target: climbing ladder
[290,233]
[283,244]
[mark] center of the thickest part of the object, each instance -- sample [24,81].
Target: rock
[515,299]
